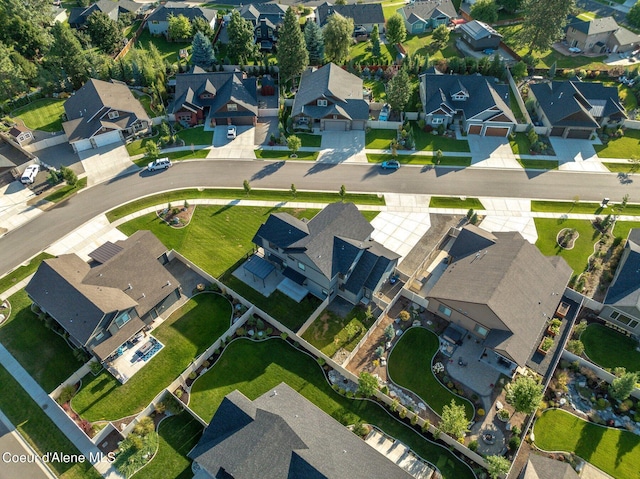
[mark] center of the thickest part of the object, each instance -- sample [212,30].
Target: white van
[29,175]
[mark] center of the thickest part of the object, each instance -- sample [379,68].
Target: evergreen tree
[544,22]
[202,51]
[104,32]
[66,54]
[292,53]
[337,35]
[622,387]
[241,46]
[396,31]
[399,91]
[485,11]
[314,41]
[375,42]
[633,17]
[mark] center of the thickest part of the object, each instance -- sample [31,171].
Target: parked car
[488,51]
[390,165]
[574,50]
[29,174]
[359,31]
[231,132]
[384,112]
[159,164]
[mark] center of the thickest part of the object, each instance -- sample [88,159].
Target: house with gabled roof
[158,21]
[331,254]
[101,113]
[79,15]
[600,35]
[364,15]
[575,109]
[215,98]
[541,467]
[266,18]
[282,435]
[501,290]
[422,15]
[330,98]
[478,102]
[20,134]
[479,36]
[103,303]
[622,302]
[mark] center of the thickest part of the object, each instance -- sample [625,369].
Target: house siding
[476,314]
[628,311]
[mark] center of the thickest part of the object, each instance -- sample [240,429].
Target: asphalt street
[19,245]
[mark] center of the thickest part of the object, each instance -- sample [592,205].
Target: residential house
[102,113]
[600,35]
[20,134]
[364,15]
[330,98]
[218,98]
[78,15]
[622,302]
[498,288]
[59,14]
[541,467]
[479,36]
[158,21]
[422,15]
[478,102]
[266,18]
[331,254]
[575,109]
[282,435]
[104,303]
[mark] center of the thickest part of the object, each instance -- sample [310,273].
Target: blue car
[390,165]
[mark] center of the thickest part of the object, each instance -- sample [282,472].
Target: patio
[132,356]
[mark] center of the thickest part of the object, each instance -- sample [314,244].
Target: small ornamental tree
[389,332]
[454,420]
[375,42]
[525,394]
[622,387]
[367,384]
[247,187]
[294,190]
[294,143]
[404,315]
[497,465]
[342,192]
[151,149]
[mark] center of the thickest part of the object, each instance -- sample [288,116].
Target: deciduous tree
[367,384]
[292,54]
[454,420]
[511,6]
[544,22]
[180,29]
[485,11]
[633,17]
[396,31]
[337,38]
[440,35]
[314,42]
[241,46]
[622,387]
[497,465]
[525,393]
[294,143]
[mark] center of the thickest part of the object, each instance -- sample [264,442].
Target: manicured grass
[285,155]
[168,50]
[145,101]
[610,349]
[421,44]
[45,114]
[23,334]
[538,164]
[361,53]
[175,156]
[627,146]
[22,272]
[420,159]
[66,191]
[40,431]
[187,333]
[615,451]
[390,7]
[376,139]
[548,230]
[178,435]
[619,167]
[521,144]
[377,88]
[329,331]
[621,228]
[255,368]
[196,136]
[430,142]
[137,147]
[410,367]
[581,208]
[627,97]
[453,202]
[309,140]
[236,194]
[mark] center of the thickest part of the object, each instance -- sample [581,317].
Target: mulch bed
[176,217]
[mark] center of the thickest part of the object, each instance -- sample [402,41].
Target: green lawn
[615,451]
[196,136]
[145,101]
[377,87]
[176,156]
[137,147]
[23,334]
[45,114]
[627,97]
[178,435]
[168,50]
[420,159]
[548,230]
[361,53]
[627,146]
[581,208]
[187,333]
[610,349]
[454,202]
[538,164]
[410,367]
[521,144]
[390,7]
[40,431]
[237,194]
[66,191]
[255,368]
[622,228]
[515,107]
[619,167]
[430,142]
[376,139]
[285,155]
[421,44]
[309,140]
[329,331]
[22,272]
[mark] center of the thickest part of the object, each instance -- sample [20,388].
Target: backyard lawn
[609,348]
[361,53]
[44,115]
[577,257]
[377,87]
[410,367]
[22,272]
[379,139]
[627,146]
[420,159]
[330,332]
[196,136]
[452,202]
[40,431]
[178,435]
[23,334]
[255,368]
[420,44]
[168,50]
[614,451]
[187,333]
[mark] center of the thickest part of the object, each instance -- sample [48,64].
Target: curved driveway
[20,244]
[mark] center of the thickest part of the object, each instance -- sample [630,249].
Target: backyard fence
[587,302]
[132,40]
[46,143]
[314,316]
[631,124]
[71,380]
[518,97]
[384,125]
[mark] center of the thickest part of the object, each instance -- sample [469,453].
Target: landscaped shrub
[480,412]
[504,414]
[144,426]
[321,361]
[178,393]
[514,443]
[404,315]
[425,426]
[575,346]
[625,405]
[284,336]
[473,445]
[160,408]
[241,331]
[516,430]
[402,413]
[602,403]
[66,394]
[360,429]
[193,375]
[414,419]
[269,331]
[260,324]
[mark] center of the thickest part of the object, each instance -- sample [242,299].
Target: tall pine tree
[314,41]
[375,42]
[544,22]
[292,53]
[66,54]
[202,51]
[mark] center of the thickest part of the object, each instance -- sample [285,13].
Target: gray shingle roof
[595,26]
[342,90]
[625,288]
[255,12]
[361,13]
[163,12]
[625,37]
[78,15]
[478,30]
[540,467]
[282,435]
[513,279]
[87,109]
[427,9]
[370,267]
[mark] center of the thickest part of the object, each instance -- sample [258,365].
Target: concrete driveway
[492,152]
[264,129]
[343,146]
[240,147]
[576,155]
[105,163]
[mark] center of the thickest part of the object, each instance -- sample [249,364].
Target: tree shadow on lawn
[590,438]
[627,443]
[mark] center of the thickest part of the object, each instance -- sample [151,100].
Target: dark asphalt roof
[163,12]
[625,288]
[478,30]
[370,267]
[79,15]
[259,267]
[293,275]
[105,252]
[361,13]
[427,9]
[273,12]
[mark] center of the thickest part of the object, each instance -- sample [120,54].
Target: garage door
[584,134]
[357,125]
[242,120]
[475,129]
[82,145]
[495,131]
[107,138]
[335,125]
[557,131]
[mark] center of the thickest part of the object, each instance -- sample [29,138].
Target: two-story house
[423,15]
[215,98]
[330,98]
[364,15]
[331,254]
[600,35]
[102,113]
[266,18]
[158,21]
[79,15]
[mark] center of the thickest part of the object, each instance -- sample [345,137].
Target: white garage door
[335,125]
[82,145]
[107,138]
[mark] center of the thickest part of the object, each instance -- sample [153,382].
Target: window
[632,323]
[480,330]
[123,319]
[99,336]
[154,22]
[322,102]
[232,107]
[459,96]
[444,310]
[113,114]
[301,266]
[436,121]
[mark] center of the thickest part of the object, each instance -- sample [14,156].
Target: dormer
[458,92]
[113,114]
[321,102]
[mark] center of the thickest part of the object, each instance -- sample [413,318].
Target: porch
[132,356]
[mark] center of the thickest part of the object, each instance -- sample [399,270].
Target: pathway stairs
[400,455]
